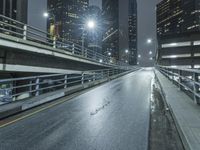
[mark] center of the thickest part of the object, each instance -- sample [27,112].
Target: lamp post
[47,15]
[126,56]
[150,41]
[90,24]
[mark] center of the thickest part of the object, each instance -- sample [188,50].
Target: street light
[109,54]
[46,15]
[150,52]
[149,41]
[126,51]
[90,24]
[139,56]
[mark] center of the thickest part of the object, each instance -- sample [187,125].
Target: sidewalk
[185,112]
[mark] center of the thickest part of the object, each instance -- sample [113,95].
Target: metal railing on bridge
[23,31]
[188,80]
[26,87]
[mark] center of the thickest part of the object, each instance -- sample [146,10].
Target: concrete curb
[20,106]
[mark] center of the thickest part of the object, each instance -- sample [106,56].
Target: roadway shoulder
[185,112]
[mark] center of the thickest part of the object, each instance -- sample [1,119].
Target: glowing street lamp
[91,24]
[149,41]
[46,15]
[139,56]
[126,51]
[150,52]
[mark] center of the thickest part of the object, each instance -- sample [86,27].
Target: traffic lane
[112,116]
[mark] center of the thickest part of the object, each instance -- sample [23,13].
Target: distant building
[66,18]
[15,9]
[120,31]
[178,28]
[132,32]
[110,16]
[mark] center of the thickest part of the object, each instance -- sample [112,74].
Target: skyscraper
[110,16]
[132,32]
[120,30]
[178,28]
[177,17]
[67,18]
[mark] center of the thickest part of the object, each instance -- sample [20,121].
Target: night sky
[146,23]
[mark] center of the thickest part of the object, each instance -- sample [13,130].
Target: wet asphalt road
[114,116]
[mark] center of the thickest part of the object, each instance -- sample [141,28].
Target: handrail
[18,29]
[186,79]
[12,89]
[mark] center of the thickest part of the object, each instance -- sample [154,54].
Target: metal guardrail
[188,80]
[26,87]
[20,30]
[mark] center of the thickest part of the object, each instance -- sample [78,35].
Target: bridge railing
[20,30]
[26,87]
[188,80]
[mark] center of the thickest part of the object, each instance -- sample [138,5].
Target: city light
[150,58]
[109,54]
[91,24]
[149,41]
[46,14]
[100,60]
[150,52]
[126,51]
[139,56]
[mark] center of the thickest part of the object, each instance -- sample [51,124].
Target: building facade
[120,32]
[178,28]
[110,14]
[132,32]
[15,9]
[66,18]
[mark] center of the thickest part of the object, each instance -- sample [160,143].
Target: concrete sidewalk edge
[181,134]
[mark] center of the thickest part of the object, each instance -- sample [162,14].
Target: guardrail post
[65,82]
[73,48]
[37,86]
[30,87]
[94,77]
[195,87]
[25,32]
[82,78]
[108,74]
[54,42]
[172,73]
[180,79]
